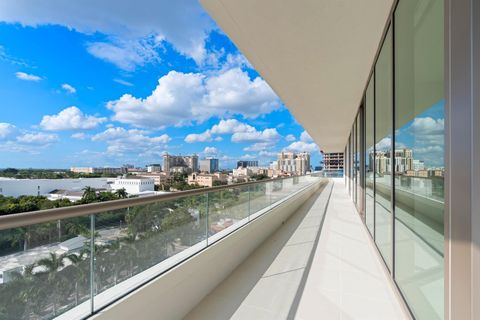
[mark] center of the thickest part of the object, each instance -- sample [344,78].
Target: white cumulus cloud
[69,119]
[290,138]
[126,55]
[241,132]
[427,126]
[182,98]
[210,151]
[259,146]
[121,141]
[184,24]
[199,137]
[69,88]
[79,136]
[27,76]
[267,135]
[301,146]
[37,138]
[231,126]
[305,137]
[6,130]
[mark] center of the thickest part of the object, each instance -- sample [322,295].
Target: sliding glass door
[419,155]
[383,150]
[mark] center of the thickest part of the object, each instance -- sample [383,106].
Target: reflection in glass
[383,148]
[357,159]
[369,159]
[419,149]
[130,242]
[45,269]
[227,209]
[354,161]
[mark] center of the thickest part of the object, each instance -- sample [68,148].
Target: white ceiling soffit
[315,54]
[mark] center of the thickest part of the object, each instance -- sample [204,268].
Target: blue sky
[97,84]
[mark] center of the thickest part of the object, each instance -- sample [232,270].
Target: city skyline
[95,92]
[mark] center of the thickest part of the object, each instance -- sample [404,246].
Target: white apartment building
[135,185]
[293,163]
[158,177]
[242,172]
[180,163]
[154,168]
[105,170]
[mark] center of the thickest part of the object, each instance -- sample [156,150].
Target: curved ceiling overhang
[315,54]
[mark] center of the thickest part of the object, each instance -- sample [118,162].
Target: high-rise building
[180,163]
[209,165]
[292,163]
[247,163]
[333,161]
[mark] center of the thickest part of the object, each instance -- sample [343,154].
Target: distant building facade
[158,177]
[210,165]
[333,161]
[106,170]
[134,185]
[180,163]
[155,167]
[247,163]
[206,179]
[293,163]
[242,172]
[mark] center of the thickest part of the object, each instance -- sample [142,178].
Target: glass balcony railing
[68,263]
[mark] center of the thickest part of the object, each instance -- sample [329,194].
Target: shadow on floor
[225,301]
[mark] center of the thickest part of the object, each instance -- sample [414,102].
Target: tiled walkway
[302,273]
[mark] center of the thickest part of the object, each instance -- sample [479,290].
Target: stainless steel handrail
[34,217]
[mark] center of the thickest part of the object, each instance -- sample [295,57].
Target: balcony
[287,248]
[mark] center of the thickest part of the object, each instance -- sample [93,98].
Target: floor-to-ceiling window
[357,160]
[403,154]
[383,149]
[354,147]
[419,155]
[369,157]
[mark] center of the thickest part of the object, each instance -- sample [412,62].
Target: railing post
[92,263]
[206,217]
[249,205]
[271,192]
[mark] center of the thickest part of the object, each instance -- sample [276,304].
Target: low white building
[242,172]
[154,168]
[43,187]
[135,185]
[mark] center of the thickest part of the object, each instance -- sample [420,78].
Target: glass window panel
[419,155]
[134,244]
[383,148]
[354,173]
[369,158]
[357,159]
[45,270]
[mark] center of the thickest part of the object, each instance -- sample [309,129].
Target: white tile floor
[301,274]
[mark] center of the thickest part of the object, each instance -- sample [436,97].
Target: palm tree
[80,274]
[121,193]
[89,194]
[52,265]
